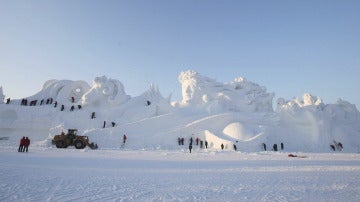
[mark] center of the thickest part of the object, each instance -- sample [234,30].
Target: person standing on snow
[26,144]
[124,138]
[222,146]
[264,146]
[21,145]
[190,147]
[275,147]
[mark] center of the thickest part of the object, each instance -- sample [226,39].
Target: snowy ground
[50,174]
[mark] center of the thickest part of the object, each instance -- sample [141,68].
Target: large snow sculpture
[105,91]
[239,95]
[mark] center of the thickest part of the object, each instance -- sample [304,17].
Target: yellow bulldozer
[72,139]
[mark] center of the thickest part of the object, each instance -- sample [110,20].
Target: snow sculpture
[2,96]
[307,101]
[318,124]
[343,112]
[105,91]
[239,95]
[62,91]
[155,103]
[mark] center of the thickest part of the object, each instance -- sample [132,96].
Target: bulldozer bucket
[93,145]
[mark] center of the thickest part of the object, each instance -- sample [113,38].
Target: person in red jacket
[26,144]
[21,145]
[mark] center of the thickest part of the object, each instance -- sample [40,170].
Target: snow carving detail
[213,96]
[105,91]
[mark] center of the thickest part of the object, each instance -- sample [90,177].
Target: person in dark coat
[104,125]
[124,138]
[235,148]
[340,146]
[190,147]
[26,144]
[72,108]
[62,107]
[55,104]
[93,115]
[222,146]
[206,144]
[275,147]
[21,145]
[332,147]
[264,146]
[282,146]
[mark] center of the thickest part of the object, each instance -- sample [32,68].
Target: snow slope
[239,112]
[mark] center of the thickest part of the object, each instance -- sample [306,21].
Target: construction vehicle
[72,139]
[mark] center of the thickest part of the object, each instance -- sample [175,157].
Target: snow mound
[238,131]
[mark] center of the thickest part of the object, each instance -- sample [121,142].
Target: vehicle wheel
[79,144]
[60,144]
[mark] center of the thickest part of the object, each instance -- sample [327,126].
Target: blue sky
[290,47]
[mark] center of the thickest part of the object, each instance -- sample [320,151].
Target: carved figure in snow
[105,91]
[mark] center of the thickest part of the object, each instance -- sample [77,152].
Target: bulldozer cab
[72,131]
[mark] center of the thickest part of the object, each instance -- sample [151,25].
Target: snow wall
[237,113]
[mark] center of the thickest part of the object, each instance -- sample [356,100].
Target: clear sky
[290,47]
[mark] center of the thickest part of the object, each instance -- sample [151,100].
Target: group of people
[198,142]
[336,146]
[112,124]
[275,146]
[24,144]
